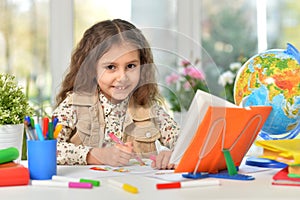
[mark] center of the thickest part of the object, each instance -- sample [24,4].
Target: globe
[272,78]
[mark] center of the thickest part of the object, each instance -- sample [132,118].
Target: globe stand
[290,135]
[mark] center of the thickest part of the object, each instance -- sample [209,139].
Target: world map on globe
[272,78]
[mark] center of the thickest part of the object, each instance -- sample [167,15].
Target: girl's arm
[68,153]
[169,133]
[71,154]
[117,155]
[168,127]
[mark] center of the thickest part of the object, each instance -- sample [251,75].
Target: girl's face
[118,72]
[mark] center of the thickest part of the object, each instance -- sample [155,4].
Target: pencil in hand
[117,140]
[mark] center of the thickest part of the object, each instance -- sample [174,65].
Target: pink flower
[187,85]
[185,63]
[194,73]
[173,78]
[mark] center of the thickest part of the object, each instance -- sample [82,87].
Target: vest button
[148,135]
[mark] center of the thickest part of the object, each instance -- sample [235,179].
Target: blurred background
[37,36]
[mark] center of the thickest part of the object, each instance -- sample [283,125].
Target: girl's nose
[122,75]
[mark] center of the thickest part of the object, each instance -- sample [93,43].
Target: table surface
[260,188]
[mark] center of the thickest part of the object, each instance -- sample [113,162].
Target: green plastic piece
[8,154]
[229,162]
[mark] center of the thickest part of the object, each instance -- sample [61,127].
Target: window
[227,30]
[89,12]
[24,47]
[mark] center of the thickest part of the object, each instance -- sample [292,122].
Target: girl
[111,88]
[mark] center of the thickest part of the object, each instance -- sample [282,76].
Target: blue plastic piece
[230,173]
[195,175]
[263,162]
[241,177]
[223,175]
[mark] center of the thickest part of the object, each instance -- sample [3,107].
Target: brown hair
[96,41]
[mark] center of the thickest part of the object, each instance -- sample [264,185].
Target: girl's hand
[162,161]
[117,155]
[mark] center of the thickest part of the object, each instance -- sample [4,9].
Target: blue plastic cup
[41,159]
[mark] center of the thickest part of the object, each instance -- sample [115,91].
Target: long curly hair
[97,40]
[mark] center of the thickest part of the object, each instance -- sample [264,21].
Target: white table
[260,188]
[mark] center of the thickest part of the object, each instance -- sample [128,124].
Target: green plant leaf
[14,105]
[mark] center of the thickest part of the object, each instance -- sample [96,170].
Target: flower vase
[12,136]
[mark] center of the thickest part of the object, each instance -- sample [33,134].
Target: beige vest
[141,126]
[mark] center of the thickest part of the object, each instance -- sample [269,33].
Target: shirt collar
[108,106]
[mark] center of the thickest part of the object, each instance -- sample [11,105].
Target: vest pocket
[83,133]
[143,136]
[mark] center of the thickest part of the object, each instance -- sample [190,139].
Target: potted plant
[14,106]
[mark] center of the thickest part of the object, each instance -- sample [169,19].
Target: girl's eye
[131,66]
[110,67]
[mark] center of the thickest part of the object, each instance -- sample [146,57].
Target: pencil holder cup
[41,159]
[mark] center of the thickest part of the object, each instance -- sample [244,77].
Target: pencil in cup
[117,140]
[34,131]
[30,134]
[57,130]
[30,129]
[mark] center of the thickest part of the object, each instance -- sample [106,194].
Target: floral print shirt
[114,115]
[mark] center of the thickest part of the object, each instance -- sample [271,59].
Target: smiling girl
[111,88]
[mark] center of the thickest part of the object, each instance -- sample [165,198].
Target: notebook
[286,151]
[213,125]
[13,174]
[282,178]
